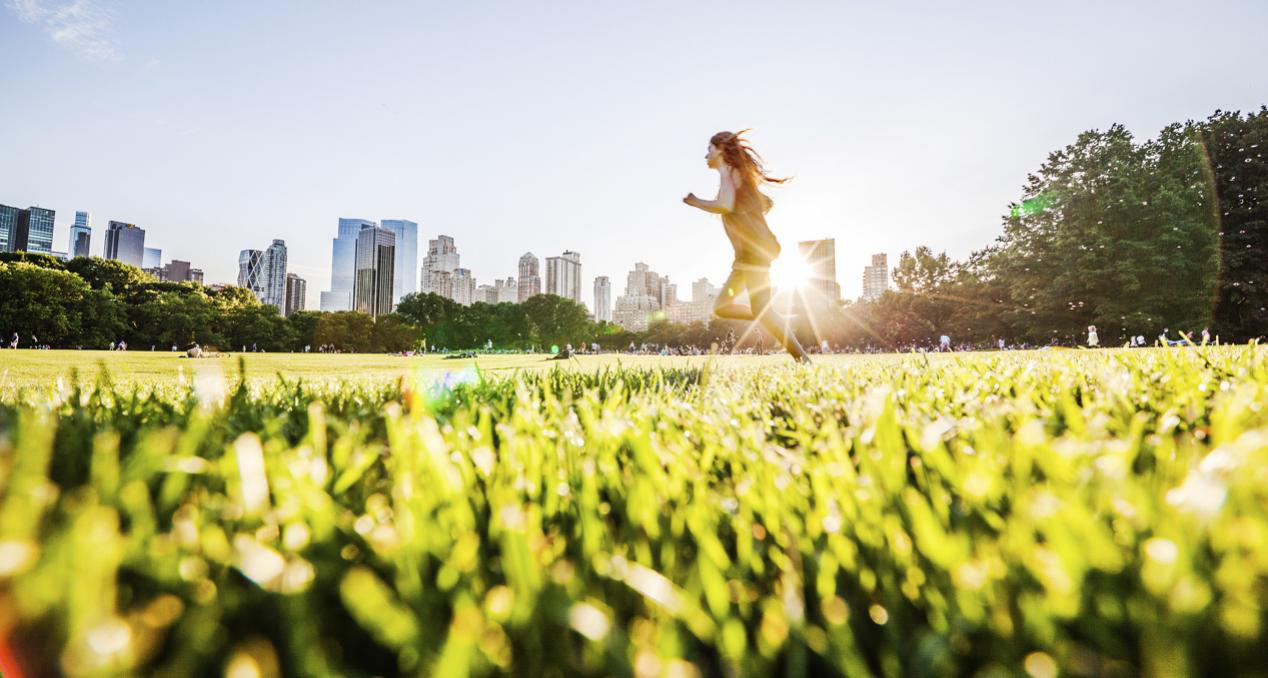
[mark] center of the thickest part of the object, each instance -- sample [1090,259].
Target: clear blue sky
[546,126]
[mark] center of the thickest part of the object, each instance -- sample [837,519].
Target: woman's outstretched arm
[723,203]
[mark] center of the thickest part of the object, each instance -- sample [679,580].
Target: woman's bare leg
[757,282]
[759,294]
[725,306]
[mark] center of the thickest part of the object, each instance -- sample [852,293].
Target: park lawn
[27,369]
[1042,513]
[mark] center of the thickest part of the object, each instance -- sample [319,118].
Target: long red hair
[738,154]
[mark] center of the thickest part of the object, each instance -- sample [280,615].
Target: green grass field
[28,368]
[1049,513]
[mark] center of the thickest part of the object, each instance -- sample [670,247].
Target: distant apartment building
[563,276]
[642,302]
[26,230]
[703,290]
[698,309]
[876,277]
[375,271]
[602,299]
[176,271]
[439,265]
[343,265]
[406,263]
[530,281]
[486,294]
[507,291]
[296,291]
[152,257]
[125,242]
[80,235]
[821,260]
[464,286]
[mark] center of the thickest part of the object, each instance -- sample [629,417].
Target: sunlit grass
[1100,512]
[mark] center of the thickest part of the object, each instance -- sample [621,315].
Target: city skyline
[265,272]
[901,125]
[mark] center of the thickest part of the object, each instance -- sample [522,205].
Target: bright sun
[789,273]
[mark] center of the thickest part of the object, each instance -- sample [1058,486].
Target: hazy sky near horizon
[548,126]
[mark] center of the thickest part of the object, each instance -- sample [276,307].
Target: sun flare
[789,273]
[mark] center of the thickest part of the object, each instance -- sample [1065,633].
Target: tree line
[1134,237]
[91,303]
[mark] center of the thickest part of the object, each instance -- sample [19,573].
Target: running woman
[743,209]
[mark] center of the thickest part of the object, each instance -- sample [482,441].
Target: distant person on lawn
[743,209]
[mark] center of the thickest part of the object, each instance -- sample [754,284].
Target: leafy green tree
[303,325]
[427,309]
[923,272]
[34,258]
[100,273]
[1236,151]
[557,321]
[347,331]
[393,333]
[254,327]
[41,302]
[232,296]
[175,318]
[1111,233]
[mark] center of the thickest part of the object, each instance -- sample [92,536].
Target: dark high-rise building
[80,235]
[28,230]
[8,227]
[296,290]
[126,243]
[406,256]
[376,271]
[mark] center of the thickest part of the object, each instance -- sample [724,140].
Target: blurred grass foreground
[1087,513]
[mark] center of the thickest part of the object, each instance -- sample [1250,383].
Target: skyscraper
[439,266]
[343,266]
[8,227]
[273,276]
[643,298]
[296,289]
[375,271]
[821,258]
[530,282]
[876,277]
[28,230]
[602,299]
[152,258]
[125,242]
[80,235]
[563,276]
[250,263]
[406,256]
[463,286]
